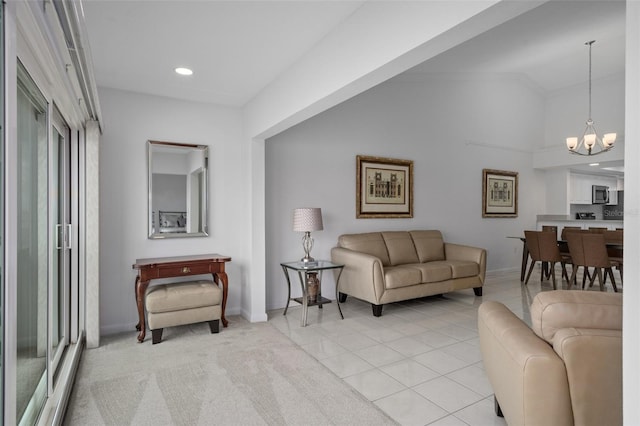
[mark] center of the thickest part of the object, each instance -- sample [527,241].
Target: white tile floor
[420,361]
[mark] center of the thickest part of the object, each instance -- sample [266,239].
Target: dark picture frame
[384,187]
[499,193]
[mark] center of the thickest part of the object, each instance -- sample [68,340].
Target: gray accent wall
[450,126]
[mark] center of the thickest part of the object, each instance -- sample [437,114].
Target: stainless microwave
[599,194]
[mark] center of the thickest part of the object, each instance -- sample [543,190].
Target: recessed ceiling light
[594,164]
[183,71]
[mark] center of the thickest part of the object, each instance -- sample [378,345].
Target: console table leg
[135,294]
[225,287]
[141,289]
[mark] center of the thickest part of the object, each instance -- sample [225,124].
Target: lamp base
[309,261]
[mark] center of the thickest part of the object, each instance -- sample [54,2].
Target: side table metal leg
[305,298]
[338,292]
[525,260]
[286,274]
[319,296]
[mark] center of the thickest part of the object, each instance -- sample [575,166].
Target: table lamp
[305,220]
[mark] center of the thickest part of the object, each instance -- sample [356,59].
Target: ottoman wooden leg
[156,335]
[214,326]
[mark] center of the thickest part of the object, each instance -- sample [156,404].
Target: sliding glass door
[61,231]
[32,256]
[44,247]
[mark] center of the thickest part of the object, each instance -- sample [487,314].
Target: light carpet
[249,374]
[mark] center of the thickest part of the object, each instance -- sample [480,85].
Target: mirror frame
[204,232]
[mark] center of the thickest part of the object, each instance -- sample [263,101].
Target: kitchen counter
[565,220]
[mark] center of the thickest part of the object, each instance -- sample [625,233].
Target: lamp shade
[307,219]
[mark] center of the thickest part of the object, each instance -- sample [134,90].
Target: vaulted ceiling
[236,48]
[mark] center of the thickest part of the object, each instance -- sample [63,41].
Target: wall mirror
[178,190]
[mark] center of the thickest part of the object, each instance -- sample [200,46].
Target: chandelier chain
[590,43]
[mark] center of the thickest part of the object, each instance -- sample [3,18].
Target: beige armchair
[566,369]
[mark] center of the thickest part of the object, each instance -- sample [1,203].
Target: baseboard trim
[255,317]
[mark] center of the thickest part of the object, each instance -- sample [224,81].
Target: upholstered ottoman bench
[182,303]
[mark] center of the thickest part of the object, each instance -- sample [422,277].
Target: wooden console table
[180,266]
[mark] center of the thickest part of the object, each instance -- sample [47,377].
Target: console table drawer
[176,271]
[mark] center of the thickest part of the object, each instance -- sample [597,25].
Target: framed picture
[499,193]
[384,188]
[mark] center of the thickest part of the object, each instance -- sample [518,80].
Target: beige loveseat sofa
[567,370]
[386,267]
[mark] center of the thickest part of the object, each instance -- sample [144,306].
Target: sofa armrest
[462,252]
[362,275]
[528,378]
[593,359]
[554,310]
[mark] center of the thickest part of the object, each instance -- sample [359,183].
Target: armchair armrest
[462,252]
[362,275]
[528,378]
[554,310]
[593,359]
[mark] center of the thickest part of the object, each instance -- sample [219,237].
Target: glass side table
[304,271]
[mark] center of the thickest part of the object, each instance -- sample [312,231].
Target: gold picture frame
[384,188]
[499,193]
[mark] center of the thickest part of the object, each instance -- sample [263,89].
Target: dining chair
[596,255]
[614,236]
[589,250]
[614,240]
[574,242]
[554,229]
[566,229]
[543,247]
[550,228]
[597,229]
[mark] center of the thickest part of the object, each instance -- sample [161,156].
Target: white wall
[631,313]
[451,128]
[129,121]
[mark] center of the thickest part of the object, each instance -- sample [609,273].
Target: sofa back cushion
[400,248]
[429,245]
[370,243]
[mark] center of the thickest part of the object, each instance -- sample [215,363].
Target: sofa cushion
[370,243]
[463,268]
[401,276]
[429,245]
[400,248]
[435,271]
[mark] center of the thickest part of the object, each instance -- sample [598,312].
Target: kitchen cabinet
[580,187]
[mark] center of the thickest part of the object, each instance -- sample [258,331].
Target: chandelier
[590,141]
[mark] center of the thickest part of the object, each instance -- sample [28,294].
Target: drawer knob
[186,270]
